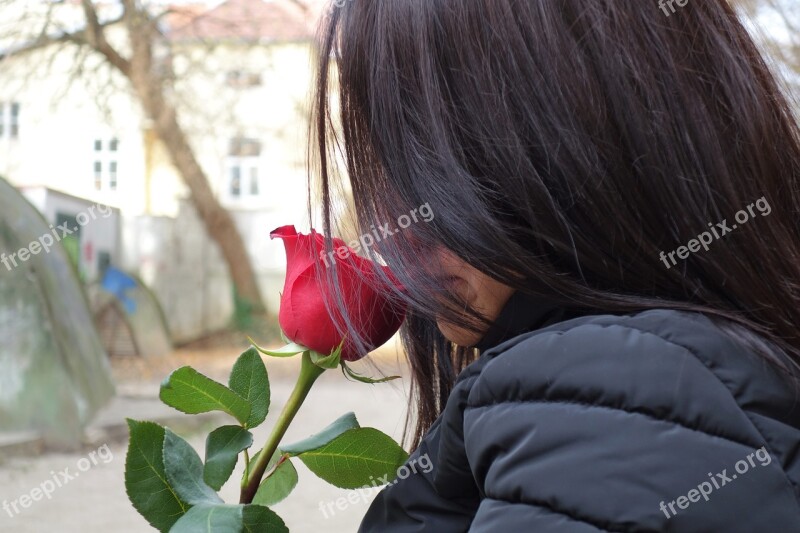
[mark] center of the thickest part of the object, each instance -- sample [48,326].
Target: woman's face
[473,287]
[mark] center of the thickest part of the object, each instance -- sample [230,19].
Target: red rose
[303,315]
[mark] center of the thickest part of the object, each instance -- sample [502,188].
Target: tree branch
[81,38]
[96,38]
[301,4]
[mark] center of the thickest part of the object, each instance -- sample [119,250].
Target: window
[232,78]
[112,175]
[236,181]
[253,181]
[240,79]
[243,147]
[71,243]
[98,175]
[243,164]
[13,126]
[103,262]
[9,119]
[106,165]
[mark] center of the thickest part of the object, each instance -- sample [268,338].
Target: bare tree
[150,76]
[777,25]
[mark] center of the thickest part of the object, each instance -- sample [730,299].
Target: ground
[95,500]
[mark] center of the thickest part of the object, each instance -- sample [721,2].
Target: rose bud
[303,315]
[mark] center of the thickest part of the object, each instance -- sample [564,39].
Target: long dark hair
[563,145]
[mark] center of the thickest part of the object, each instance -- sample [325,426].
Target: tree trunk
[149,87]
[217,220]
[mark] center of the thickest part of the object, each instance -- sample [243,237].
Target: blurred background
[147,148]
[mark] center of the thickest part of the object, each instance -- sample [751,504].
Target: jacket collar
[522,313]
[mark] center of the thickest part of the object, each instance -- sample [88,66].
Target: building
[243,75]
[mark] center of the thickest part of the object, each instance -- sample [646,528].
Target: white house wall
[161,243]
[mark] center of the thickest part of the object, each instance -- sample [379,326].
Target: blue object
[117,282]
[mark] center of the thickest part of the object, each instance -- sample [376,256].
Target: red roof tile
[243,20]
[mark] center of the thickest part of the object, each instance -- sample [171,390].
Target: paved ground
[95,500]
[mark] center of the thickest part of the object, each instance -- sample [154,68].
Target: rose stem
[309,372]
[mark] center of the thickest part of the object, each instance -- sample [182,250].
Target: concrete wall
[100,226]
[55,373]
[185,270]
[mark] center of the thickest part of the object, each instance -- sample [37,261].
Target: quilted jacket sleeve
[590,428]
[416,505]
[443,499]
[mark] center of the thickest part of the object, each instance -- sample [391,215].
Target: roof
[242,20]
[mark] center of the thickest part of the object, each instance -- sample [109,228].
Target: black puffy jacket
[657,421]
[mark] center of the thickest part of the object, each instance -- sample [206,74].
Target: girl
[603,312]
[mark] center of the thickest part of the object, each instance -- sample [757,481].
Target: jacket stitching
[611,408]
[642,331]
[707,365]
[608,526]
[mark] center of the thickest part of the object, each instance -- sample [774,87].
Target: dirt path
[94,500]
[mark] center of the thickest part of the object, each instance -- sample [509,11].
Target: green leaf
[250,381]
[189,391]
[355,458]
[347,371]
[289,350]
[223,447]
[280,482]
[339,426]
[185,471]
[145,477]
[209,518]
[259,519]
[328,361]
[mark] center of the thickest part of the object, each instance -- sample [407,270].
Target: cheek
[488,296]
[458,334]
[462,290]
